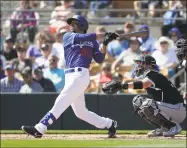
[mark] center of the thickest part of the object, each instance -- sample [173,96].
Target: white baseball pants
[73,94]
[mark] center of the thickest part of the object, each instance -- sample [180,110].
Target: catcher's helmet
[141,62]
[81,22]
[181,48]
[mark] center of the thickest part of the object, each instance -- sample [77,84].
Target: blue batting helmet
[82,22]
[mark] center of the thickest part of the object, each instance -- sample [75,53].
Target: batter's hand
[109,37]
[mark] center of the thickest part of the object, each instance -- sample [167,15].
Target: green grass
[92,143]
[83,132]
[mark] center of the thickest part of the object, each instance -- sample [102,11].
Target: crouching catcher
[164,109]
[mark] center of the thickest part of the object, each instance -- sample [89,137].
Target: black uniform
[162,90]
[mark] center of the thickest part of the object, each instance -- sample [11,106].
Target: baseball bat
[133,34]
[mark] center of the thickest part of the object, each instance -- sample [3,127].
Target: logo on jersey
[86,43]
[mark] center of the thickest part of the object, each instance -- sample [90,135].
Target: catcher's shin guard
[153,114]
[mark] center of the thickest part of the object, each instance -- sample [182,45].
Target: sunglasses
[52,60]
[106,69]
[164,43]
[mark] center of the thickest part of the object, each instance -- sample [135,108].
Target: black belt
[72,70]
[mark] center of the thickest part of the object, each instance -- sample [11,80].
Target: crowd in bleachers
[34,61]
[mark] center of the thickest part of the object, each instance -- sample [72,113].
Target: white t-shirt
[60,52]
[163,60]
[3,59]
[42,62]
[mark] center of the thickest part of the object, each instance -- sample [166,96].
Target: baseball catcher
[163,108]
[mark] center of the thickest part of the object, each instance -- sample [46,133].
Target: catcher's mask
[141,64]
[181,48]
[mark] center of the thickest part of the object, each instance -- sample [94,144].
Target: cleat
[112,130]
[31,130]
[157,132]
[173,131]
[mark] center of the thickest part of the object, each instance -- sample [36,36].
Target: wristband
[138,85]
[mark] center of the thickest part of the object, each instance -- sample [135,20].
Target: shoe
[173,131]
[112,130]
[157,132]
[31,130]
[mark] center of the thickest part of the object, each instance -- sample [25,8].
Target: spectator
[2,73]
[169,18]
[30,85]
[127,56]
[165,55]
[174,34]
[103,77]
[172,13]
[9,52]
[55,74]
[42,61]
[10,83]
[21,61]
[46,84]
[116,47]
[58,45]
[149,4]
[23,18]
[148,41]
[128,27]
[81,4]
[62,13]
[34,50]
[100,29]
[95,5]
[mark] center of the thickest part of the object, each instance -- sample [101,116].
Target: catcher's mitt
[112,87]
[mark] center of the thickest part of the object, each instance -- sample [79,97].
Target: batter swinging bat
[133,34]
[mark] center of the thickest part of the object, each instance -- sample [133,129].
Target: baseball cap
[20,48]
[9,39]
[37,70]
[9,66]
[136,39]
[26,71]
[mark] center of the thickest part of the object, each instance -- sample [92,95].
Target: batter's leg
[80,110]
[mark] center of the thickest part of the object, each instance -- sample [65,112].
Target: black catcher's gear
[141,62]
[181,48]
[112,87]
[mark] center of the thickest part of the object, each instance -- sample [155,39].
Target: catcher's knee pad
[150,110]
[137,102]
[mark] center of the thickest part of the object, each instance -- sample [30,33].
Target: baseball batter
[79,49]
[163,107]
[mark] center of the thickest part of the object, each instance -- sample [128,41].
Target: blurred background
[31,55]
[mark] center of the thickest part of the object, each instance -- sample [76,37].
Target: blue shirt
[79,49]
[56,76]
[115,48]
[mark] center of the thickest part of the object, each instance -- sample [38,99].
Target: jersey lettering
[85,52]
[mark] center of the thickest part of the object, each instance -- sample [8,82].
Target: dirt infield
[87,137]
